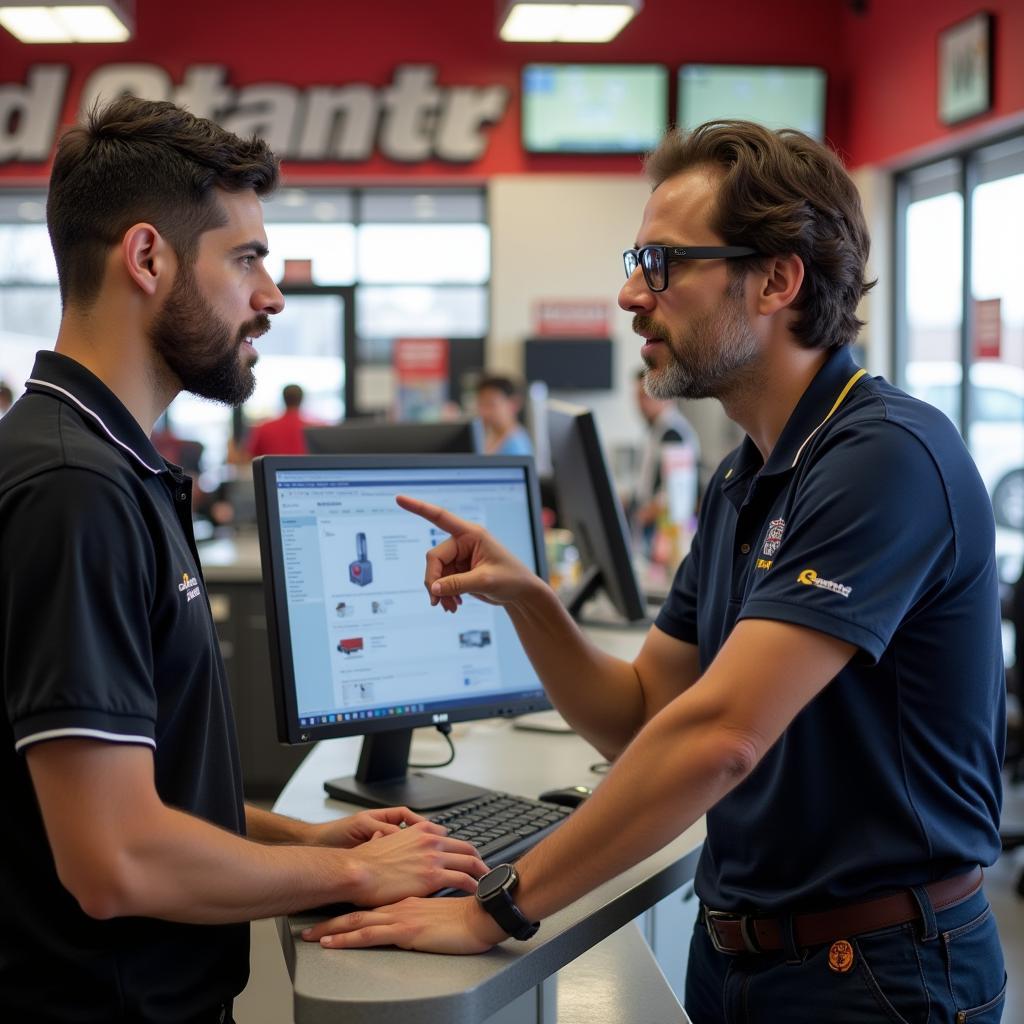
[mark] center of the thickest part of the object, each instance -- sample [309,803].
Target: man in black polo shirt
[125,875]
[825,681]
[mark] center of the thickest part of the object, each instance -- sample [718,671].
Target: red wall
[881,65]
[338,41]
[893,74]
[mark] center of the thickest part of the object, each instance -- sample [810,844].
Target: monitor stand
[383,779]
[590,583]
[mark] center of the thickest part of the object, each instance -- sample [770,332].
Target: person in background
[665,425]
[285,434]
[6,398]
[499,401]
[130,866]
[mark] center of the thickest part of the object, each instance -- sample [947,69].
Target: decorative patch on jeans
[840,956]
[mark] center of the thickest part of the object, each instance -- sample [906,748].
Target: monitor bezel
[265,470]
[596,151]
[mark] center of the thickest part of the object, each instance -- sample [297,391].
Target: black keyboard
[500,826]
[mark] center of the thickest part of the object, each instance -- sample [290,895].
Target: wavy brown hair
[138,161]
[782,193]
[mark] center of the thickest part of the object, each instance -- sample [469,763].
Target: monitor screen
[593,108]
[589,507]
[371,437]
[356,648]
[775,96]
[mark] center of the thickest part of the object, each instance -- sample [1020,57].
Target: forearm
[268,827]
[181,868]
[599,695]
[675,770]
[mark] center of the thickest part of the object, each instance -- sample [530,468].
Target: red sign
[571,318]
[988,326]
[421,359]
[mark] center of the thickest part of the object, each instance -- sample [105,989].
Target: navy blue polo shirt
[870,523]
[105,633]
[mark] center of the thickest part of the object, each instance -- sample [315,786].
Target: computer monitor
[376,438]
[775,96]
[593,108]
[355,646]
[589,507]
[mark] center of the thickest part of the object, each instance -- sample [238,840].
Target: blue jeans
[945,967]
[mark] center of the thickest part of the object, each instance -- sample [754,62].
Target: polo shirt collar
[70,382]
[824,395]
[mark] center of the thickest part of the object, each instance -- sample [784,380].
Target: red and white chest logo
[773,538]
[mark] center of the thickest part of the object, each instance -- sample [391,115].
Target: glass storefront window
[330,248]
[397,311]
[424,253]
[937,338]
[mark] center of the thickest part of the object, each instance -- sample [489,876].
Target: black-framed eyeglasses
[653,260]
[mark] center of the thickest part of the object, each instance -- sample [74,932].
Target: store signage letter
[410,120]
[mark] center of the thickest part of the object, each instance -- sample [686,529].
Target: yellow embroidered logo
[189,586]
[763,563]
[809,578]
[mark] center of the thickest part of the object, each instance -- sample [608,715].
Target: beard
[199,348]
[711,359]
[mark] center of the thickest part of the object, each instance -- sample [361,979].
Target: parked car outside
[996,435]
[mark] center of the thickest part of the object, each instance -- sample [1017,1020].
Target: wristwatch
[494,894]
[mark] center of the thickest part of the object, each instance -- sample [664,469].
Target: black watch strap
[494,894]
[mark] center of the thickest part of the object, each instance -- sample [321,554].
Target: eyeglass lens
[652,260]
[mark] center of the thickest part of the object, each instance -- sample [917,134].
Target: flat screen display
[594,108]
[777,97]
[356,644]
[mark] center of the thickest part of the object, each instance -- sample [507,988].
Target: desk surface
[360,986]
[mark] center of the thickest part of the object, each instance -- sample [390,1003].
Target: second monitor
[371,437]
[589,507]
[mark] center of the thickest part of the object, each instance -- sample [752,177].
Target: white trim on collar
[81,405]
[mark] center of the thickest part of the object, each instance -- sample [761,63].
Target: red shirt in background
[282,436]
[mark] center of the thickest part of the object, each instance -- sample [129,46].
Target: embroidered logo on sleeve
[809,578]
[189,586]
[772,540]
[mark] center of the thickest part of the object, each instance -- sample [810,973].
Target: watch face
[494,881]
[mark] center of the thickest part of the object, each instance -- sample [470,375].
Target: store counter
[516,982]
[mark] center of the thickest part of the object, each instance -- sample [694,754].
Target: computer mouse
[570,796]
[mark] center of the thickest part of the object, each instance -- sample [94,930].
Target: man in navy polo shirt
[126,877]
[825,681]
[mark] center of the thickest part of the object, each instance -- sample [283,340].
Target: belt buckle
[746,931]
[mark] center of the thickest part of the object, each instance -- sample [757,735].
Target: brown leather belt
[736,933]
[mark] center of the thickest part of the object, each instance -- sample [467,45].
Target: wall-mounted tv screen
[777,97]
[593,108]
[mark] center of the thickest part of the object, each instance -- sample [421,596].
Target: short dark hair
[499,382]
[782,193]
[292,396]
[138,160]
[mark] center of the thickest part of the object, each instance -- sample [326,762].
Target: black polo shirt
[870,523]
[105,633]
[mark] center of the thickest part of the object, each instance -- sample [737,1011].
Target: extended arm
[685,759]
[121,851]
[605,699]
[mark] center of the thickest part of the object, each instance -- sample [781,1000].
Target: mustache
[252,328]
[645,325]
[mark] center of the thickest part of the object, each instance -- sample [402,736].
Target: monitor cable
[445,729]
